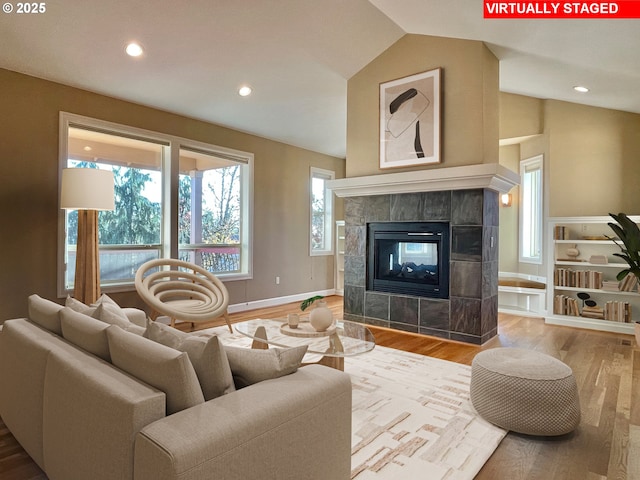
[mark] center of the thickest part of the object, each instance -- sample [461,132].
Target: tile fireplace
[468,221]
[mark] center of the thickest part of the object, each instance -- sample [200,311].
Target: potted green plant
[628,233]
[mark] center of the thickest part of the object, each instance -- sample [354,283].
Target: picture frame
[410,120]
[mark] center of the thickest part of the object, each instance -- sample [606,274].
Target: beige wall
[29,203]
[590,161]
[594,160]
[520,116]
[469,101]
[508,241]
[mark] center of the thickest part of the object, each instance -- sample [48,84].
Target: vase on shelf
[321,317]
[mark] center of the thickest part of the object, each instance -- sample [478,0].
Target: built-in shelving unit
[339,266]
[581,260]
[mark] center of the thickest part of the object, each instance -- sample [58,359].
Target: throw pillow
[161,367]
[136,319]
[207,356]
[105,299]
[85,332]
[78,306]
[251,366]
[45,313]
[112,315]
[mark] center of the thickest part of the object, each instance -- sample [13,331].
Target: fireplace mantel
[487,175]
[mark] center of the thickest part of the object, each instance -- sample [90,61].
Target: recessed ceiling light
[134,49]
[244,91]
[87,148]
[580,89]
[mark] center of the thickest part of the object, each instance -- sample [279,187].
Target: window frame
[168,247]
[245,193]
[325,175]
[537,216]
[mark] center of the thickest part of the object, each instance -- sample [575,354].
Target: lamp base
[87,279]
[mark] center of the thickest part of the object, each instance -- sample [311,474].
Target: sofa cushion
[85,332]
[161,367]
[45,313]
[207,356]
[251,366]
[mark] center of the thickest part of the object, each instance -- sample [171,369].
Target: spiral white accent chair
[182,291]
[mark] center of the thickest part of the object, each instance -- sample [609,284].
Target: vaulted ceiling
[297,56]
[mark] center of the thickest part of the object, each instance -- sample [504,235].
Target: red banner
[562,9]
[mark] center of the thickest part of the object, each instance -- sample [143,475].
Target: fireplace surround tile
[377,322]
[403,310]
[467,207]
[354,211]
[466,279]
[354,300]
[490,237]
[377,208]
[426,206]
[355,240]
[470,314]
[466,315]
[491,208]
[463,337]
[467,243]
[434,314]
[405,327]
[354,271]
[435,332]
[488,336]
[489,315]
[376,305]
[489,274]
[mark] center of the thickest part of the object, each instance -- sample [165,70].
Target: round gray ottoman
[525,391]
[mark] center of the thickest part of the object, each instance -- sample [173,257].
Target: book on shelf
[567,277]
[561,232]
[629,284]
[565,305]
[593,312]
[611,285]
[617,311]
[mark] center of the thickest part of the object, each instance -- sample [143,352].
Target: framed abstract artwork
[410,120]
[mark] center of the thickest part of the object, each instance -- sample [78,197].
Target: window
[321,242]
[531,193]
[211,223]
[211,230]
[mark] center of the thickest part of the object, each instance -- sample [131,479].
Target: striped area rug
[412,417]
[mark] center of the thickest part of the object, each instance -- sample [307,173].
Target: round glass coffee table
[342,339]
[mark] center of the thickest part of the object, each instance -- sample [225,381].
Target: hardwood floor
[607,370]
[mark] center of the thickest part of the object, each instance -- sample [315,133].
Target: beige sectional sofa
[80,417]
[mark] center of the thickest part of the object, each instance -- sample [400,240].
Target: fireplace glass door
[409,258]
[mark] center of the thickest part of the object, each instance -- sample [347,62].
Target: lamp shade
[87,189]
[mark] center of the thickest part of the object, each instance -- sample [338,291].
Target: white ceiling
[297,55]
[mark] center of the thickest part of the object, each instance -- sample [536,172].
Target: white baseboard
[274,302]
